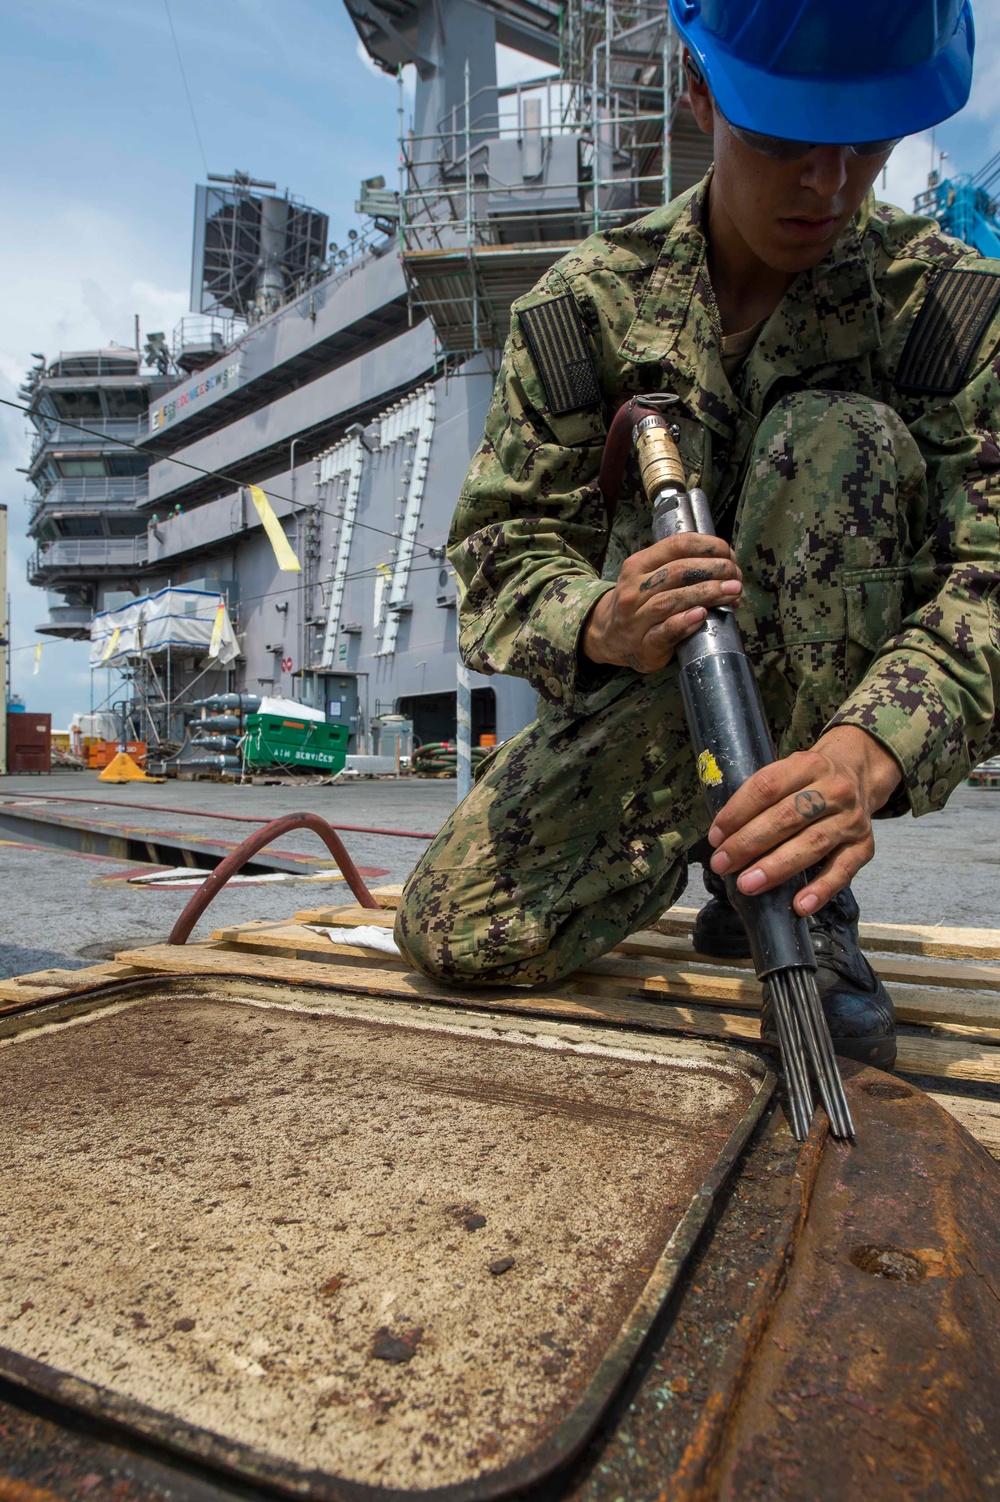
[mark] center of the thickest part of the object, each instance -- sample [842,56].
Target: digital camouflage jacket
[530,537]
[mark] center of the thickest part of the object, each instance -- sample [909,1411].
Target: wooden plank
[979,1117]
[336,955]
[387,896]
[930,972]
[635,973]
[936,1057]
[617,974]
[43,983]
[892,968]
[895,938]
[565,1002]
[237,932]
[678,948]
[942,943]
[968,1012]
[946,1058]
[351,916]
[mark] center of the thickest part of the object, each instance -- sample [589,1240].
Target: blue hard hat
[835,71]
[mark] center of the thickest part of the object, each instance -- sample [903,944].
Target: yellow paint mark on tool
[283,552]
[708,770]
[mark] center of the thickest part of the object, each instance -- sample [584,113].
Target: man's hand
[662,596]
[814,806]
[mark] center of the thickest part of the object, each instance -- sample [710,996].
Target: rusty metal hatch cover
[348,1247]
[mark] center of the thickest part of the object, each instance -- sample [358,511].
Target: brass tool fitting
[660,467]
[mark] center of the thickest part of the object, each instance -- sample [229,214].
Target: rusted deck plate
[349,1244]
[880,1372]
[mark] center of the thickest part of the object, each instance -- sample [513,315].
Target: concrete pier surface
[60,907]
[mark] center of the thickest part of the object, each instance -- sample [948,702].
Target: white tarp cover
[291,709]
[182,619]
[102,725]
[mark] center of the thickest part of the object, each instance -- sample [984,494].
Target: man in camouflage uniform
[838,362]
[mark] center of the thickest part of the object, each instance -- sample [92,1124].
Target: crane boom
[964,206]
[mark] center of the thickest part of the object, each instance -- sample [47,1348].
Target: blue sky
[101,157]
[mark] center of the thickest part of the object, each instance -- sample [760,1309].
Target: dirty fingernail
[809,903]
[752,881]
[695,617]
[720,863]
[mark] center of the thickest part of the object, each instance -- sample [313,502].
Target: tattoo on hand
[810,804]
[633,662]
[696,576]
[654,581]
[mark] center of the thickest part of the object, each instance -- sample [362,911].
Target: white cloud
[80,281]
[361,51]
[409,71]
[986,80]
[906,171]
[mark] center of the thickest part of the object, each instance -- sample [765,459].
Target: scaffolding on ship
[515,176]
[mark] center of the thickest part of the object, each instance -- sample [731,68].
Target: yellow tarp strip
[286,558]
[216,642]
[112,644]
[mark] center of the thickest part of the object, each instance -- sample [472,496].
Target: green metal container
[282,741]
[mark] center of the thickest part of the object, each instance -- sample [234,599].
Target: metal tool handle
[731,742]
[722,703]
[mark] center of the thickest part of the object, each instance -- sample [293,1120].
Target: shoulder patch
[947,332]
[555,335]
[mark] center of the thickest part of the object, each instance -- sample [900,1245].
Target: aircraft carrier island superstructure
[351,383]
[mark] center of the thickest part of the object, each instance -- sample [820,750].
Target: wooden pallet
[945,984]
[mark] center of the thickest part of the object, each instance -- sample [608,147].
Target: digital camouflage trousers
[577,830]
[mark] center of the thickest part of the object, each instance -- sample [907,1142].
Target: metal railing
[513,176]
[74,364]
[605,187]
[94,491]
[360,247]
[366,246]
[205,331]
[87,553]
[561,113]
[618,105]
[99,430]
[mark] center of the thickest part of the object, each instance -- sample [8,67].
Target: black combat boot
[856,1004]
[718,928]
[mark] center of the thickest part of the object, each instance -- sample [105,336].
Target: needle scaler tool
[731,742]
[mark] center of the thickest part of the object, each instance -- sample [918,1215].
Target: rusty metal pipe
[251,845]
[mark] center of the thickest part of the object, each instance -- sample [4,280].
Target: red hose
[251,845]
[618,447]
[204,813]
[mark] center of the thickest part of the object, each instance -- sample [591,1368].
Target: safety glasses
[780,149]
